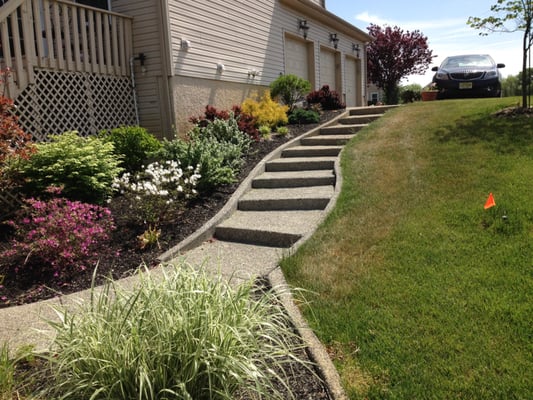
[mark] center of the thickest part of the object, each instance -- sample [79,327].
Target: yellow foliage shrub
[266,111]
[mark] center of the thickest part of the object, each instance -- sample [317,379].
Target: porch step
[268,228]
[326,140]
[300,198]
[291,179]
[311,151]
[300,164]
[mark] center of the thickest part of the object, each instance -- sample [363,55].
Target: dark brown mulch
[29,288]
[515,111]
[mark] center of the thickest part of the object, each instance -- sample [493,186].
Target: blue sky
[444,23]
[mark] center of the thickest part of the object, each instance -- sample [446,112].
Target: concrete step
[288,179]
[300,164]
[311,151]
[268,228]
[301,198]
[342,129]
[371,110]
[359,119]
[326,140]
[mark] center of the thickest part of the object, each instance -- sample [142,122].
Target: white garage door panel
[296,58]
[351,82]
[327,69]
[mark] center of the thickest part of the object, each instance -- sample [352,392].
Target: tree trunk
[392,95]
[525,75]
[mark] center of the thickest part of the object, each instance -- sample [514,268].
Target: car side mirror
[500,65]
[437,68]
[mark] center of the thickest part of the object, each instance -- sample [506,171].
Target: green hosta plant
[265,132]
[84,167]
[183,335]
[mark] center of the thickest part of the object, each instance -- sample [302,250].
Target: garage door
[327,69]
[351,82]
[296,58]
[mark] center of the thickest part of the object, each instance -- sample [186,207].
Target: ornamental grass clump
[182,335]
[56,238]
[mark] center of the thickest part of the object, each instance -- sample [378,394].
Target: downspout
[134,89]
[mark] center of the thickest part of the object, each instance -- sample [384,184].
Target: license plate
[465,85]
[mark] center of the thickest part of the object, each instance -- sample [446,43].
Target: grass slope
[417,291]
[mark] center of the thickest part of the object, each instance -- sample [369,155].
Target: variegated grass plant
[179,335]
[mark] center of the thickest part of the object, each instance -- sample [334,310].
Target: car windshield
[468,61]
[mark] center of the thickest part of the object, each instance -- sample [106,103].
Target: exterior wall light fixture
[302,26]
[334,39]
[356,49]
[185,44]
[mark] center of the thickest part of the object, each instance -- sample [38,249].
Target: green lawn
[416,290]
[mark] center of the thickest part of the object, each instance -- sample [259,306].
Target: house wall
[224,51]
[151,80]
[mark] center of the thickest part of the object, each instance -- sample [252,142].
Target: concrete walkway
[269,216]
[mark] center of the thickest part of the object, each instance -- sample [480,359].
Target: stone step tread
[300,163]
[311,151]
[338,136]
[371,110]
[296,174]
[308,192]
[358,119]
[342,129]
[287,222]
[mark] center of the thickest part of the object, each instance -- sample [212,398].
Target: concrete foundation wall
[192,95]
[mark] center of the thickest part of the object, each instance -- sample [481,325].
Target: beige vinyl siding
[241,35]
[147,39]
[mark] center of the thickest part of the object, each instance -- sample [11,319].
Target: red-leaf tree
[395,54]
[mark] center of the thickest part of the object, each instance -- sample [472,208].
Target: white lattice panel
[64,101]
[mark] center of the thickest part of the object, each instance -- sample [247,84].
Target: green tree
[511,86]
[290,89]
[511,16]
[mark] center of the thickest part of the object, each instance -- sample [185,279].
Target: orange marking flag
[490,202]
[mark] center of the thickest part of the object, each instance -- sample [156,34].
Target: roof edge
[312,9]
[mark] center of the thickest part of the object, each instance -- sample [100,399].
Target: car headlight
[491,74]
[443,76]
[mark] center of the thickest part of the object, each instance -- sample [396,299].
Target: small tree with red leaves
[14,142]
[395,54]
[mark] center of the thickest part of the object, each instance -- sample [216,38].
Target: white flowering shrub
[218,148]
[158,189]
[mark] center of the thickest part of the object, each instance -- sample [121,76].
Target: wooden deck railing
[61,36]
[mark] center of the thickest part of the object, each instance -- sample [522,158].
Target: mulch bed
[124,241]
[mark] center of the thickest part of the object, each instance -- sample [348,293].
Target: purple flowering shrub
[57,236]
